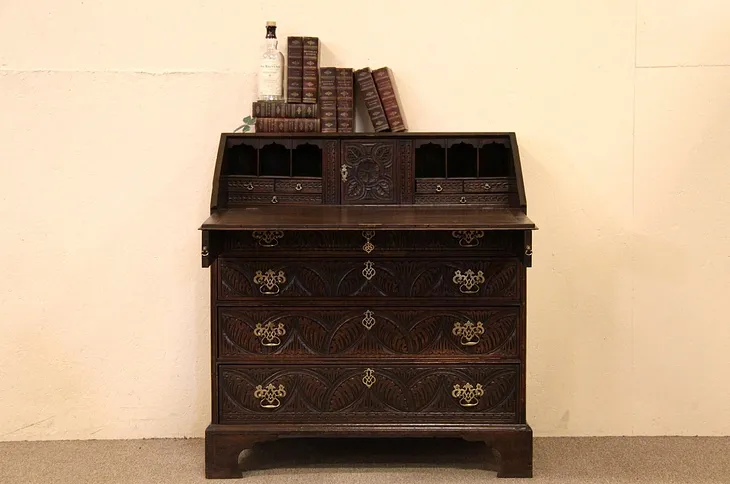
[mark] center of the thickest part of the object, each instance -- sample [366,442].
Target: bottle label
[270,79]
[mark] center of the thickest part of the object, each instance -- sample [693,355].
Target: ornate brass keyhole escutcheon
[469,332]
[468,238]
[269,281]
[268,238]
[368,321]
[343,172]
[468,281]
[369,379]
[369,246]
[369,271]
[468,395]
[269,333]
[270,395]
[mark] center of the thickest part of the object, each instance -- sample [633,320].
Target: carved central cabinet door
[368,172]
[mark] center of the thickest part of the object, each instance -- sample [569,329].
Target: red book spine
[287,125]
[366,88]
[311,69]
[385,83]
[280,109]
[345,100]
[294,69]
[328,99]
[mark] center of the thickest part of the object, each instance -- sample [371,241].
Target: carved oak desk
[368,285]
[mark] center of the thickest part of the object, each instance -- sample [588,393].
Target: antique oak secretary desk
[368,285]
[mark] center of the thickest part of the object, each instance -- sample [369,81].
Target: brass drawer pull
[205,252]
[369,246]
[469,332]
[270,395]
[249,187]
[468,395]
[269,281]
[468,238]
[274,199]
[368,272]
[528,250]
[298,187]
[439,188]
[487,186]
[269,333]
[469,281]
[368,321]
[369,379]
[462,200]
[268,238]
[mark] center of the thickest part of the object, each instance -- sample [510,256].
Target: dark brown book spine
[280,109]
[345,100]
[366,88]
[385,83]
[287,125]
[294,69]
[311,69]
[328,99]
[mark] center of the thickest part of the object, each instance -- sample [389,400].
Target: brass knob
[462,200]
[487,186]
[439,188]
[298,187]
[249,187]
[274,199]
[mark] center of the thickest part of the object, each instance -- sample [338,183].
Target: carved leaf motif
[383,154]
[389,336]
[346,337]
[388,394]
[503,282]
[347,395]
[426,391]
[353,153]
[426,332]
[234,281]
[498,389]
[498,333]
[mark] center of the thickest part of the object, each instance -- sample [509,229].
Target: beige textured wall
[110,114]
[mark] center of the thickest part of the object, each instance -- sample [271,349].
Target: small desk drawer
[317,392]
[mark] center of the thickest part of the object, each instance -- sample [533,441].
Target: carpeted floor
[646,460]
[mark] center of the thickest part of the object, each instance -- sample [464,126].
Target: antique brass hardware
[469,281]
[249,187]
[369,378]
[269,281]
[298,187]
[487,186]
[205,252]
[439,188]
[268,238]
[274,199]
[343,172]
[369,271]
[462,200]
[269,333]
[468,238]
[369,246]
[469,332]
[468,395]
[528,250]
[368,321]
[270,395]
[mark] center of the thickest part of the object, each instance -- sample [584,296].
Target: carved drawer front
[461,242]
[246,184]
[357,332]
[368,172]
[241,199]
[439,186]
[497,199]
[489,185]
[373,392]
[298,186]
[399,277]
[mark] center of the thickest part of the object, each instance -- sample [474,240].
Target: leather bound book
[311,69]
[294,69]
[280,109]
[345,101]
[366,88]
[287,125]
[328,99]
[385,83]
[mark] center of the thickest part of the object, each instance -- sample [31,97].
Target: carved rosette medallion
[269,333]
[269,281]
[468,395]
[468,281]
[270,395]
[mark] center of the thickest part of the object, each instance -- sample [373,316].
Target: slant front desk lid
[384,217]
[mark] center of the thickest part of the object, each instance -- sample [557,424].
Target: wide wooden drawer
[240,198]
[360,242]
[396,277]
[496,199]
[377,392]
[367,331]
